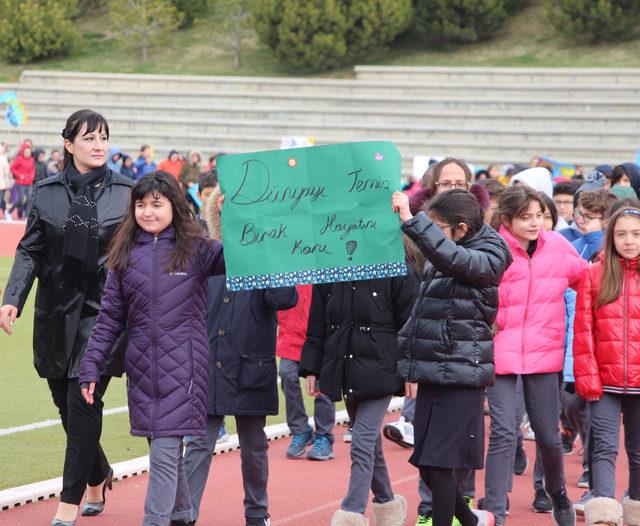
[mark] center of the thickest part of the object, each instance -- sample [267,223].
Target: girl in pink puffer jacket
[529,342]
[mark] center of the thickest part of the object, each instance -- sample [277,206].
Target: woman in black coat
[446,346]
[72,219]
[351,348]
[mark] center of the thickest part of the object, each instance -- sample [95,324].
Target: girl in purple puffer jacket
[159,262]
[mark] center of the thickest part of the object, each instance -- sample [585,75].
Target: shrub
[35,29]
[324,34]
[595,20]
[461,21]
[190,9]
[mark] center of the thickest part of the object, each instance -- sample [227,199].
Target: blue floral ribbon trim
[326,275]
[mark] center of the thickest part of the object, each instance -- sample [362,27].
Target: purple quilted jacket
[168,355]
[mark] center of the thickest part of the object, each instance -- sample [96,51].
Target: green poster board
[311,215]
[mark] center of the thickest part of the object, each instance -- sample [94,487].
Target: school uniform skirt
[449,427]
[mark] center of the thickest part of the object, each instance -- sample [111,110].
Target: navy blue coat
[242,333]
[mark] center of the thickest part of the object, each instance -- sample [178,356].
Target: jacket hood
[194,152]
[418,200]
[23,147]
[481,194]
[633,172]
[212,216]
[537,178]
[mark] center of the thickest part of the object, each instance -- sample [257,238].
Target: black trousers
[84,461]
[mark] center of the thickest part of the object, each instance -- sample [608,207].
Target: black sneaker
[568,438]
[584,480]
[521,463]
[542,502]
[563,512]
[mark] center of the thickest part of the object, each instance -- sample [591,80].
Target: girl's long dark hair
[92,119]
[458,206]
[514,202]
[186,228]
[611,283]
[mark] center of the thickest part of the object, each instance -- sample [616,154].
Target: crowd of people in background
[23,166]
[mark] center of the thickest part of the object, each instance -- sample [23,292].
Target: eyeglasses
[563,203]
[448,186]
[579,214]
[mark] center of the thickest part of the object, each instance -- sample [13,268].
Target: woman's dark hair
[92,119]
[551,207]
[514,202]
[458,206]
[184,224]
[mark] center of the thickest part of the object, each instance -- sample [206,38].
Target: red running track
[301,492]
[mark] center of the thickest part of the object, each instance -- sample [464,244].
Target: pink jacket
[531,313]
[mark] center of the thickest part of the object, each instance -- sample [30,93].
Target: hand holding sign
[311,215]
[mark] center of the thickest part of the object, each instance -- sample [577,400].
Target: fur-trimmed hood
[211,214]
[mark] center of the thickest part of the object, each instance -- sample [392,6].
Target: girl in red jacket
[23,169]
[606,364]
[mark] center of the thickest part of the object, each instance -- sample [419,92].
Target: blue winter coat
[242,333]
[570,302]
[167,357]
[589,244]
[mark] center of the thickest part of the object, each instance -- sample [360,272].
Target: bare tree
[233,17]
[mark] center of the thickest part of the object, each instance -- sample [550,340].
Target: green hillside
[528,39]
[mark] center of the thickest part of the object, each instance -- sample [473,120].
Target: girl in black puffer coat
[446,346]
[351,348]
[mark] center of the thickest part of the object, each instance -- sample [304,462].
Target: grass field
[527,39]
[31,456]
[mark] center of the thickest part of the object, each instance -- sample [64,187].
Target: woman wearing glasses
[446,175]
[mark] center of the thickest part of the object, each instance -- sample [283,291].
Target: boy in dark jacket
[243,382]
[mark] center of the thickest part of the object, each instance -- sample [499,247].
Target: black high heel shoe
[94,508]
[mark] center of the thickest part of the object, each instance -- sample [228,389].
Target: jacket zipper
[190,365]
[524,320]
[625,299]
[154,336]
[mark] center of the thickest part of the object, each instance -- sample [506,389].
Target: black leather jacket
[65,311]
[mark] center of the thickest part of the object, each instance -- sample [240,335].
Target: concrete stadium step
[206,85]
[88,98]
[604,122]
[485,147]
[166,128]
[593,77]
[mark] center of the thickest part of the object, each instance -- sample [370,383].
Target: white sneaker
[348,434]
[485,518]
[527,432]
[400,432]
[8,216]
